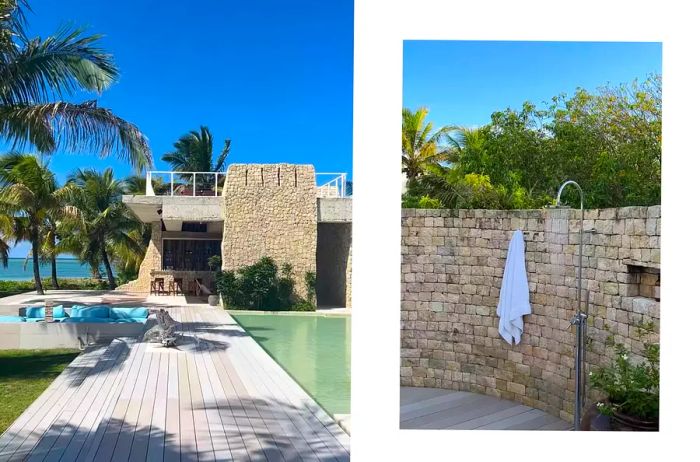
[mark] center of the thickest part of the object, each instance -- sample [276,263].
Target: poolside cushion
[38,312]
[128,313]
[73,319]
[98,311]
[12,319]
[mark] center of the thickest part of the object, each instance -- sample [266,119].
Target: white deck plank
[222,399]
[429,408]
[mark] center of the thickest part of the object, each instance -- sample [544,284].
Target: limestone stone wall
[452,265]
[152,260]
[270,210]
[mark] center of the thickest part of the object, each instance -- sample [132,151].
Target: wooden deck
[218,396]
[431,408]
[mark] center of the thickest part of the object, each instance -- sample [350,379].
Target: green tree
[29,193]
[194,152]
[37,74]
[104,225]
[420,146]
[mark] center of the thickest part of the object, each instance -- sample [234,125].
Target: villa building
[283,211]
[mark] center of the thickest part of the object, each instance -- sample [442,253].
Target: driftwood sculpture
[164,330]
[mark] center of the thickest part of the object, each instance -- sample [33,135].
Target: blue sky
[273,76]
[464,82]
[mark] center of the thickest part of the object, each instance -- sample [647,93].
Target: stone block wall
[270,210]
[152,260]
[452,265]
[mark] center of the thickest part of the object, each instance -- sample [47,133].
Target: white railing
[170,183]
[335,187]
[167,183]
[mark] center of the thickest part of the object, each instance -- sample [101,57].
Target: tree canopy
[609,141]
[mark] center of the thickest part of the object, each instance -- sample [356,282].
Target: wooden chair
[158,286]
[178,286]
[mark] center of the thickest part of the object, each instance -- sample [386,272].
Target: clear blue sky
[274,76]
[464,82]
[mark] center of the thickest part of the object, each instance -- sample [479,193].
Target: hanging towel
[514,301]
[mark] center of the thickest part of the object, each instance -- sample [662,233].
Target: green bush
[17,287]
[260,286]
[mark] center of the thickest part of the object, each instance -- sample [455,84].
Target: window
[194,227]
[189,255]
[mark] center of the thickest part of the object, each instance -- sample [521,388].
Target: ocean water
[65,267]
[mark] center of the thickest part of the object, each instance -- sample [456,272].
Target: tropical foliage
[420,146]
[30,197]
[194,152]
[37,75]
[608,141]
[103,228]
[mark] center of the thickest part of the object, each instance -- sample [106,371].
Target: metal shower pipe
[579,319]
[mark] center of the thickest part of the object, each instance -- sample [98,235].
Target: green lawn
[24,374]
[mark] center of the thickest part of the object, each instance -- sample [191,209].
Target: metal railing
[335,187]
[171,183]
[168,183]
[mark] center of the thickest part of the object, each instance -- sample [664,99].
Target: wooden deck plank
[102,448]
[46,433]
[441,409]
[88,401]
[156,438]
[263,379]
[27,429]
[90,445]
[220,399]
[142,430]
[172,412]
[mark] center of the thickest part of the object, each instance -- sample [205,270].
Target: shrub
[260,286]
[310,281]
[632,387]
[17,287]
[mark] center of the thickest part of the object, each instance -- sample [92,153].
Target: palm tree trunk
[54,276]
[35,260]
[108,268]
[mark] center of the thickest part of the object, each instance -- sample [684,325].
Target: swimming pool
[313,348]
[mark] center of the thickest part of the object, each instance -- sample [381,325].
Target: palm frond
[83,127]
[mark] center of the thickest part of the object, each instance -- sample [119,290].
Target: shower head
[564,185]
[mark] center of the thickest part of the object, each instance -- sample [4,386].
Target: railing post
[194,184]
[172,185]
[216,183]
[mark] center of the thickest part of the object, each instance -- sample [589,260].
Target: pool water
[313,349]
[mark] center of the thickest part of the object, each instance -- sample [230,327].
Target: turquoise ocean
[65,267]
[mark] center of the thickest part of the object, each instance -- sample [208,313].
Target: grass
[24,375]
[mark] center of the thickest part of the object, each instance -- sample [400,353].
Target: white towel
[514,301]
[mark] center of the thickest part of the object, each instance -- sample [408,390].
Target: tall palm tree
[104,224]
[29,193]
[194,153]
[6,236]
[420,146]
[37,74]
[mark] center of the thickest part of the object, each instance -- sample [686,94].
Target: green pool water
[314,349]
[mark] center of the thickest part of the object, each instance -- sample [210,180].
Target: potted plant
[214,263]
[631,386]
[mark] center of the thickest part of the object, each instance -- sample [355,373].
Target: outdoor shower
[579,320]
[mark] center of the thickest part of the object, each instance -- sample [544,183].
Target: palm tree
[419,146]
[104,225]
[37,74]
[29,193]
[194,153]
[6,236]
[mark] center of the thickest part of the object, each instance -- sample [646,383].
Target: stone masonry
[270,210]
[452,265]
[152,260]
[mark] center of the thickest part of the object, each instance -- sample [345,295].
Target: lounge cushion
[74,319]
[98,311]
[38,312]
[128,313]
[12,319]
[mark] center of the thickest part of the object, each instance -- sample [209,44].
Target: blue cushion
[99,311]
[73,319]
[128,313]
[12,319]
[38,312]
